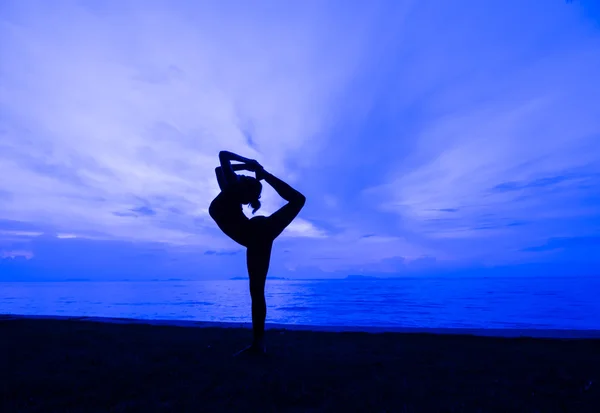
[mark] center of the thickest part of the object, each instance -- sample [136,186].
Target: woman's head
[249,190]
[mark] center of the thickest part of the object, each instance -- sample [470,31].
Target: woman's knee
[257,293]
[259,304]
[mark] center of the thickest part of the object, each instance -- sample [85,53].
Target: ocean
[530,303]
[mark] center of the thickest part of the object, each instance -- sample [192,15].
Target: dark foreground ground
[78,366]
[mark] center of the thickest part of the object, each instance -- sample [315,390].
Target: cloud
[139,211]
[16,253]
[303,228]
[144,211]
[66,236]
[566,242]
[542,182]
[210,252]
[21,233]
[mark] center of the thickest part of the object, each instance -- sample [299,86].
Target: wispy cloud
[16,254]
[566,242]
[26,234]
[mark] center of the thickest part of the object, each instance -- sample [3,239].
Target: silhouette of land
[360,277]
[68,365]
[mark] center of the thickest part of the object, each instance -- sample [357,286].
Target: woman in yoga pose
[256,234]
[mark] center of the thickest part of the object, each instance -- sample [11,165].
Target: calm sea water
[561,303]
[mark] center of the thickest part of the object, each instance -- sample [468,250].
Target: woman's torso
[230,218]
[250,233]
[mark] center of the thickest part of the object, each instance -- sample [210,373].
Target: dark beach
[54,365]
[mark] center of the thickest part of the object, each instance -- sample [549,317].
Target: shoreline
[480,332]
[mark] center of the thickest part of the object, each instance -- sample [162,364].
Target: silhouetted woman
[256,234]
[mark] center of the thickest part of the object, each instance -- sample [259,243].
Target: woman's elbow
[301,200]
[224,156]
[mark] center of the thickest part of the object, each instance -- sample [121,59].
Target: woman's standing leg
[263,231]
[259,306]
[258,257]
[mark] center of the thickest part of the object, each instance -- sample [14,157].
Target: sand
[71,365]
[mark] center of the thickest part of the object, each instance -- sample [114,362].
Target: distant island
[168,279]
[360,277]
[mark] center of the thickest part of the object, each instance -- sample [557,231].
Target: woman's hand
[254,166]
[258,169]
[261,173]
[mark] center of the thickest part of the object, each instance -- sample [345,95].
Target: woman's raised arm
[280,219]
[284,190]
[225,158]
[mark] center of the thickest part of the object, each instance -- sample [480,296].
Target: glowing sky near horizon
[427,136]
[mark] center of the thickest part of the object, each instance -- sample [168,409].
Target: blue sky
[430,138]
